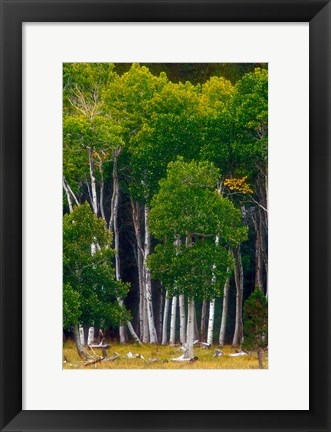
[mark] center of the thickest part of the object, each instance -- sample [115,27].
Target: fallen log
[129,355]
[92,362]
[109,359]
[104,346]
[240,354]
[101,359]
[182,358]
[205,345]
[196,342]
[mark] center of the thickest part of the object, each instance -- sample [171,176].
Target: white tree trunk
[148,283]
[102,188]
[121,327]
[81,336]
[93,182]
[79,346]
[141,301]
[114,198]
[196,328]
[90,338]
[113,225]
[70,195]
[210,333]
[224,312]
[66,189]
[190,328]
[182,319]
[173,321]
[93,248]
[165,321]
[133,333]
[145,320]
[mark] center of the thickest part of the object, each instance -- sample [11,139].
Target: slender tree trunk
[102,187]
[115,195]
[260,221]
[70,191]
[93,182]
[148,284]
[141,304]
[145,321]
[210,333]
[93,249]
[190,328]
[258,260]
[90,339]
[66,189]
[136,213]
[133,333]
[160,314]
[79,347]
[182,319]
[203,320]
[263,244]
[196,328]
[173,321]
[81,336]
[116,241]
[211,322]
[260,357]
[224,312]
[165,321]
[239,280]
[113,225]
[88,190]
[121,327]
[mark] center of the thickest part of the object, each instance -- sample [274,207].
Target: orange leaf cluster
[238,185]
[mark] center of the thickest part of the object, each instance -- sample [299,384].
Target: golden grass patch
[164,354]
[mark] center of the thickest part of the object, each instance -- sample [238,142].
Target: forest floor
[163,354]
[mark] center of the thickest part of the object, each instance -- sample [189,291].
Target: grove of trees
[165,202]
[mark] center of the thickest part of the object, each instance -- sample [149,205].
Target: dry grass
[164,353]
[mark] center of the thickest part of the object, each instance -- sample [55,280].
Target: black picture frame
[13,14]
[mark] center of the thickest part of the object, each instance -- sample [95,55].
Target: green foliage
[90,289]
[71,306]
[127,97]
[191,270]
[83,85]
[216,93]
[128,102]
[188,203]
[172,129]
[256,321]
[236,134]
[87,123]
[186,216]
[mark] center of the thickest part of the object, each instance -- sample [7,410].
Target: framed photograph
[165,215]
